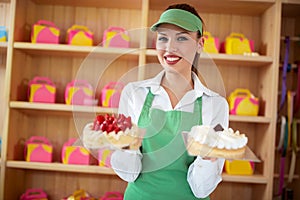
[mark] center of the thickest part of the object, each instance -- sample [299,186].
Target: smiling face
[176,48]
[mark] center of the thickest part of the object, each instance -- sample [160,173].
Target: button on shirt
[203,175]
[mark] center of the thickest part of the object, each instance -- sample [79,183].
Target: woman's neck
[176,85]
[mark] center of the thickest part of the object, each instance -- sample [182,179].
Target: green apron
[165,161]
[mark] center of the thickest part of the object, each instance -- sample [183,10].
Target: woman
[172,102]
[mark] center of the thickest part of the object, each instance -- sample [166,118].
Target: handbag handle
[41,79]
[80,83]
[115,28]
[35,193]
[237,35]
[38,139]
[79,27]
[206,34]
[242,91]
[48,23]
[114,85]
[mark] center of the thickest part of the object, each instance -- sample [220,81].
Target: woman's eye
[182,38]
[162,39]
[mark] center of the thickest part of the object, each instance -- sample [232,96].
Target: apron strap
[146,108]
[199,105]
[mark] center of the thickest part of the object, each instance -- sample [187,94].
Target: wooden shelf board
[221,58]
[130,4]
[57,108]
[240,7]
[91,169]
[71,50]
[29,107]
[253,119]
[255,178]
[3,45]
[296,176]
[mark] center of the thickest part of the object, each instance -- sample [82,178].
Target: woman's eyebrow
[161,33]
[183,32]
[179,33]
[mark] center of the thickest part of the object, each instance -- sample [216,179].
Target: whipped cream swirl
[226,139]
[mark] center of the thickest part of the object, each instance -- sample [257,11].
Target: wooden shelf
[251,119]
[294,39]
[253,61]
[132,4]
[252,7]
[296,176]
[58,109]
[70,50]
[91,169]
[3,45]
[256,178]
[29,107]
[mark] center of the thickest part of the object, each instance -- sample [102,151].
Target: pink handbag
[115,37]
[41,89]
[110,94]
[74,154]
[79,92]
[38,149]
[45,32]
[34,194]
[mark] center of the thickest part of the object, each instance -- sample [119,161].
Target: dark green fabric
[165,160]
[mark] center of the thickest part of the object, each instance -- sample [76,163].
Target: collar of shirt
[189,98]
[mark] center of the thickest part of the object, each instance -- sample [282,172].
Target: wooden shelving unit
[290,23]
[4,21]
[258,20]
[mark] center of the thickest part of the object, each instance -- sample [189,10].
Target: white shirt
[203,175]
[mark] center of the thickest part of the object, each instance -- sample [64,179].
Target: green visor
[181,18]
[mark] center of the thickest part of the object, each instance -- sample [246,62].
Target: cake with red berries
[111,130]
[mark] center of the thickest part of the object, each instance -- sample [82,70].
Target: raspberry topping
[108,123]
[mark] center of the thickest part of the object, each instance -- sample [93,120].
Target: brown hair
[192,10]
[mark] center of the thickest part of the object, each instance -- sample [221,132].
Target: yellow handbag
[239,167]
[80,35]
[211,44]
[237,43]
[242,102]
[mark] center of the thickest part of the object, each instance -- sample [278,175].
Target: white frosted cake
[226,143]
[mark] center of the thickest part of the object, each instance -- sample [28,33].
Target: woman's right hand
[127,164]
